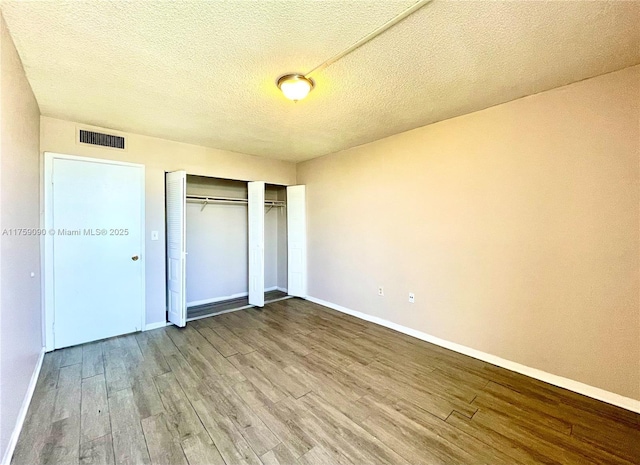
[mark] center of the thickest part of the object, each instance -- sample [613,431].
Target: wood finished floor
[297,383]
[231,304]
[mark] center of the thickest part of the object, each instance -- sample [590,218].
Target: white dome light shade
[295,86]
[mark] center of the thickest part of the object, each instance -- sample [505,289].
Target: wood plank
[220,364]
[50,371]
[257,377]
[417,445]
[116,375]
[68,393]
[279,378]
[349,350]
[97,452]
[406,416]
[122,357]
[187,377]
[61,445]
[283,340]
[548,442]
[92,362]
[181,418]
[200,450]
[553,410]
[226,402]
[228,440]
[164,448]
[351,386]
[321,381]
[145,394]
[202,355]
[216,341]
[70,356]
[279,455]
[356,443]
[95,422]
[454,392]
[320,456]
[241,346]
[277,419]
[576,406]
[522,414]
[36,427]
[287,320]
[428,401]
[153,362]
[623,443]
[129,444]
[521,453]
[276,353]
[161,341]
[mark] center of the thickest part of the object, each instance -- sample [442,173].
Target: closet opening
[275,243]
[227,245]
[232,244]
[216,245]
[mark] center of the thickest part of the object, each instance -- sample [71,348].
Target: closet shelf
[205,200]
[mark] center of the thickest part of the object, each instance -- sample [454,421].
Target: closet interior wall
[216,239]
[275,238]
[217,242]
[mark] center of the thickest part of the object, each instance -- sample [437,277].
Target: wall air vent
[105,140]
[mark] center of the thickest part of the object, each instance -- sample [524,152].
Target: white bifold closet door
[176,189]
[297,241]
[256,243]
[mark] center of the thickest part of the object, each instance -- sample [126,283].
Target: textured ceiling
[204,72]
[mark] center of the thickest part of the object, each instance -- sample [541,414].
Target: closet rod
[267,203]
[230,200]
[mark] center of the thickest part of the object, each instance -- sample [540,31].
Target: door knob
[135,258]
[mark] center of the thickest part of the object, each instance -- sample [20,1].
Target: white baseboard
[22,413]
[213,300]
[219,313]
[566,383]
[286,297]
[282,289]
[159,324]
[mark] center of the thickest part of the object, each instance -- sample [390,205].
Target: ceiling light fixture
[295,86]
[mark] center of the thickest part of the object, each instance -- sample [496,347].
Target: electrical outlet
[381,291]
[412,297]
[154,235]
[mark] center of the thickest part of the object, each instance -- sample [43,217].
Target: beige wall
[158,156]
[516,227]
[20,310]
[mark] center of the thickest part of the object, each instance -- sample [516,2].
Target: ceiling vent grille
[105,140]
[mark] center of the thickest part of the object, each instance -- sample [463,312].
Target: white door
[176,191]
[97,215]
[256,243]
[297,241]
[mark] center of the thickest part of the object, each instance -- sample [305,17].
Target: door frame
[46,265]
[298,190]
[181,319]
[256,296]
